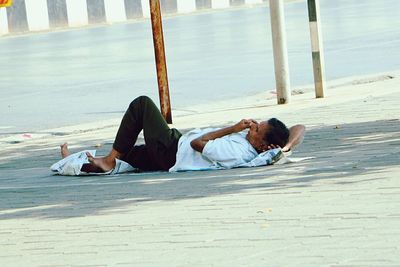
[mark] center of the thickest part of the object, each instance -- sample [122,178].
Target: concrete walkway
[340,209]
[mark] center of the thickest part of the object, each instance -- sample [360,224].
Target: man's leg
[140,158]
[142,114]
[159,153]
[161,141]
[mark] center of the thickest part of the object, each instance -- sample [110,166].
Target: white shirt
[226,152]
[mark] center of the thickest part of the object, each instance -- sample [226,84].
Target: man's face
[256,133]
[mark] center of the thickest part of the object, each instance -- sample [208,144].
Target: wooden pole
[162,78]
[316,47]
[280,51]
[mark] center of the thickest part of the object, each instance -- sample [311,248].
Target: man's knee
[140,101]
[144,98]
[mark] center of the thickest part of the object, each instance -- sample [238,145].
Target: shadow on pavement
[344,155]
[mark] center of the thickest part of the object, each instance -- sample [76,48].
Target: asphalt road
[76,76]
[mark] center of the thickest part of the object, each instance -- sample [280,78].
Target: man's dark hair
[278,134]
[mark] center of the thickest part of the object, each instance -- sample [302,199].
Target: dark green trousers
[161,142]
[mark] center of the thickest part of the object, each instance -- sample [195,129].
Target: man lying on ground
[167,149]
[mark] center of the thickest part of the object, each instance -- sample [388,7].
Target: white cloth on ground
[72,164]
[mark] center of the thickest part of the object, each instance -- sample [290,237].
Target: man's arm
[296,136]
[199,143]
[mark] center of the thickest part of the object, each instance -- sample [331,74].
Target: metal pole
[280,51]
[316,46]
[161,64]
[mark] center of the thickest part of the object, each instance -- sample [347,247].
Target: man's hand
[295,138]
[199,143]
[284,149]
[243,124]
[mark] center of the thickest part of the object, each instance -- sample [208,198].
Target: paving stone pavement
[341,208]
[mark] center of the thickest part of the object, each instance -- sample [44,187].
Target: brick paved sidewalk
[339,209]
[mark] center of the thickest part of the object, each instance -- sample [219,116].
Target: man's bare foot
[64,150]
[104,163]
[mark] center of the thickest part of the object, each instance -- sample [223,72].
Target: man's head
[272,132]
